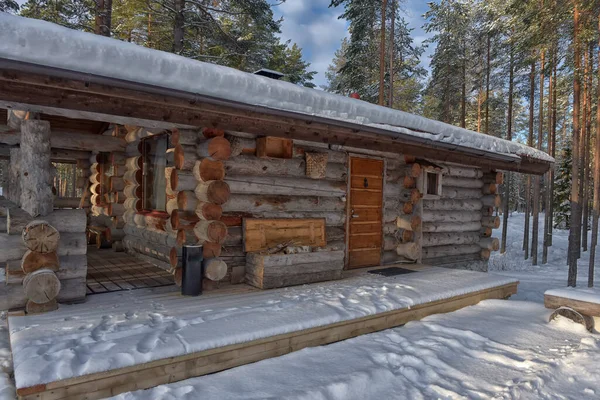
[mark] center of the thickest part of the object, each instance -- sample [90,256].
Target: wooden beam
[174,369]
[72,141]
[38,90]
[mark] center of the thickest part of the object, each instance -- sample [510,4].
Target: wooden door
[365,212]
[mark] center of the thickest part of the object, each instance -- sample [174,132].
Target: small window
[154,155]
[432,184]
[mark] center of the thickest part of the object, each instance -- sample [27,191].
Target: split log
[491,222]
[133,191]
[40,236]
[133,177]
[492,201]
[208,170]
[408,250]
[443,239]
[292,167]
[35,177]
[35,308]
[262,203]
[490,188]
[408,223]
[211,231]
[452,205]
[463,172]
[449,192]
[182,180]
[473,226]
[41,286]
[285,186]
[451,250]
[208,211]
[184,157]
[490,243]
[214,269]
[186,137]
[183,220]
[32,261]
[187,201]
[216,148]
[451,216]
[211,250]
[213,192]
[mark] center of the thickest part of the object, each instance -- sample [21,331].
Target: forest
[520,70]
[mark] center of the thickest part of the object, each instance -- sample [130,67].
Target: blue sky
[316,28]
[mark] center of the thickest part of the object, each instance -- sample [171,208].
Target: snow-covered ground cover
[7,389]
[121,329]
[496,349]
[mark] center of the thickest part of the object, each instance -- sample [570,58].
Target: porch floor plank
[139,339]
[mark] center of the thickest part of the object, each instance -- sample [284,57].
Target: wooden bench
[581,306]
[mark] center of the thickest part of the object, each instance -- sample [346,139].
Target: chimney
[269,73]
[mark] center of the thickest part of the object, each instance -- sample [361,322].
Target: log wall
[458,226]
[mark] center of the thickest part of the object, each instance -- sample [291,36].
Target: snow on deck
[43,43]
[121,329]
[590,295]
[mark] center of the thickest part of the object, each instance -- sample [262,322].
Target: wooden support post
[36,185]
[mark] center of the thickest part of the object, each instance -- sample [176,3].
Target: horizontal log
[452,205]
[208,170]
[133,177]
[410,223]
[491,222]
[152,236]
[264,203]
[70,267]
[67,202]
[69,221]
[12,296]
[182,180]
[463,172]
[184,157]
[451,216]
[71,141]
[293,167]
[285,186]
[494,177]
[116,184]
[187,201]
[397,192]
[211,231]
[492,201]
[462,182]
[450,250]
[158,255]
[449,192]
[489,188]
[184,137]
[445,260]
[183,220]
[241,145]
[216,192]
[473,226]
[442,239]
[490,243]
[332,218]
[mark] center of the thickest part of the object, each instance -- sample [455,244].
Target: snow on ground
[496,349]
[126,328]
[535,280]
[7,389]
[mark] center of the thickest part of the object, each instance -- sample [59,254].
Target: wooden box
[266,234]
[280,270]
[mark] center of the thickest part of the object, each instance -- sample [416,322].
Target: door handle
[355,215]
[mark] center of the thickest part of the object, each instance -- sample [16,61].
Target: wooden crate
[264,234]
[270,146]
[280,270]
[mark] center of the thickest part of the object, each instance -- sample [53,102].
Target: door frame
[348,208]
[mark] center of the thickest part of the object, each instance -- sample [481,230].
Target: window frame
[144,149]
[425,183]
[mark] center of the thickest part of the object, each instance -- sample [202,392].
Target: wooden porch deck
[220,330]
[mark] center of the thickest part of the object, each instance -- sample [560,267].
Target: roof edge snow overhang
[43,80]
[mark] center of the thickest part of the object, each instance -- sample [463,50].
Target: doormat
[392,271]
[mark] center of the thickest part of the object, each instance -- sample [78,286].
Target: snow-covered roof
[43,43]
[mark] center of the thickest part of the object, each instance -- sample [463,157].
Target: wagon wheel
[574,316]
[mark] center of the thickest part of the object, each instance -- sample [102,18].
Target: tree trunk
[530,144]
[382,54]
[36,185]
[536,179]
[596,205]
[586,148]
[392,53]
[575,217]
[487,86]
[178,26]
[509,124]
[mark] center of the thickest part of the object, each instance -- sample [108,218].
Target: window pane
[432,183]
[155,162]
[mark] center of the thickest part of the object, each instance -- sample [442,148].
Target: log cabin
[282,185]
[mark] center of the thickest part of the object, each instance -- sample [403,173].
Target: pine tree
[562,189]
[74,14]
[9,6]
